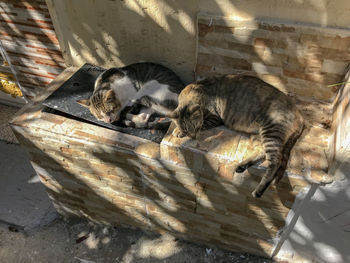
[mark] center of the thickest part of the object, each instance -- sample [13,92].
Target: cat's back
[244,100]
[249,90]
[144,72]
[107,77]
[248,85]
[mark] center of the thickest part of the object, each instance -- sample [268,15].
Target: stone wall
[122,32]
[306,62]
[298,59]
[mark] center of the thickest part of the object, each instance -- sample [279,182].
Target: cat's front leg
[244,165]
[140,120]
[178,133]
[137,121]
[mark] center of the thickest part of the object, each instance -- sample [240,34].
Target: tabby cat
[136,91]
[248,104]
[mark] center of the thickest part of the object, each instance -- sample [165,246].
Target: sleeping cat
[144,88]
[248,104]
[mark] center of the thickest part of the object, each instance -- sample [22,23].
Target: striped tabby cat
[248,104]
[134,93]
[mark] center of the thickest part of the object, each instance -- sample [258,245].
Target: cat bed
[81,86]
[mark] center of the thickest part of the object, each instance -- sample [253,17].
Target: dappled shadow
[281,54]
[74,182]
[320,229]
[118,187]
[97,41]
[267,58]
[114,186]
[199,205]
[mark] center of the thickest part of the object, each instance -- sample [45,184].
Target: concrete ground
[31,230]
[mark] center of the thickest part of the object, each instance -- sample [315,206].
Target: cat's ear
[84,103]
[110,95]
[173,115]
[195,111]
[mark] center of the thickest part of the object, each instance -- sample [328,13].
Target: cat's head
[188,118]
[104,105]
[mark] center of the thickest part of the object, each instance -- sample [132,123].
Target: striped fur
[117,90]
[248,104]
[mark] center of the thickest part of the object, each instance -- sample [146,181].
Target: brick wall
[188,187]
[182,186]
[301,60]
[29,39]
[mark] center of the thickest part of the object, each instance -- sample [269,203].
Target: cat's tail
[265,183]
[286,152]
[161,123]
[157,124]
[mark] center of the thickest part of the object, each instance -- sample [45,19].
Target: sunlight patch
[328,253]
[160,248]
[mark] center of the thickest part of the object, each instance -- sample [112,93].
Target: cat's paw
[129,123]
[177,133]
[135,101]
[256,194]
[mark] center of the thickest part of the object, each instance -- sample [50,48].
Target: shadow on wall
[321,232]
[127,196]
[76,175]
[115,26]
[111,187]
[322,228]
[108,187]
[124,32]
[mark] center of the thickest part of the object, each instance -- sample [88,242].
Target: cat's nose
[115,117]
[107,119]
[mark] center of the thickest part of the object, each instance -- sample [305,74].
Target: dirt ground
[76,240]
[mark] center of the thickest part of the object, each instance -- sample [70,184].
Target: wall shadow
[150,187]
[321,229]
[121,195]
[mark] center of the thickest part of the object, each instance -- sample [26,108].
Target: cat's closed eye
[247,104]
[156,88]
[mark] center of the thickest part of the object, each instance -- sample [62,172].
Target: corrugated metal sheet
[28,36]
